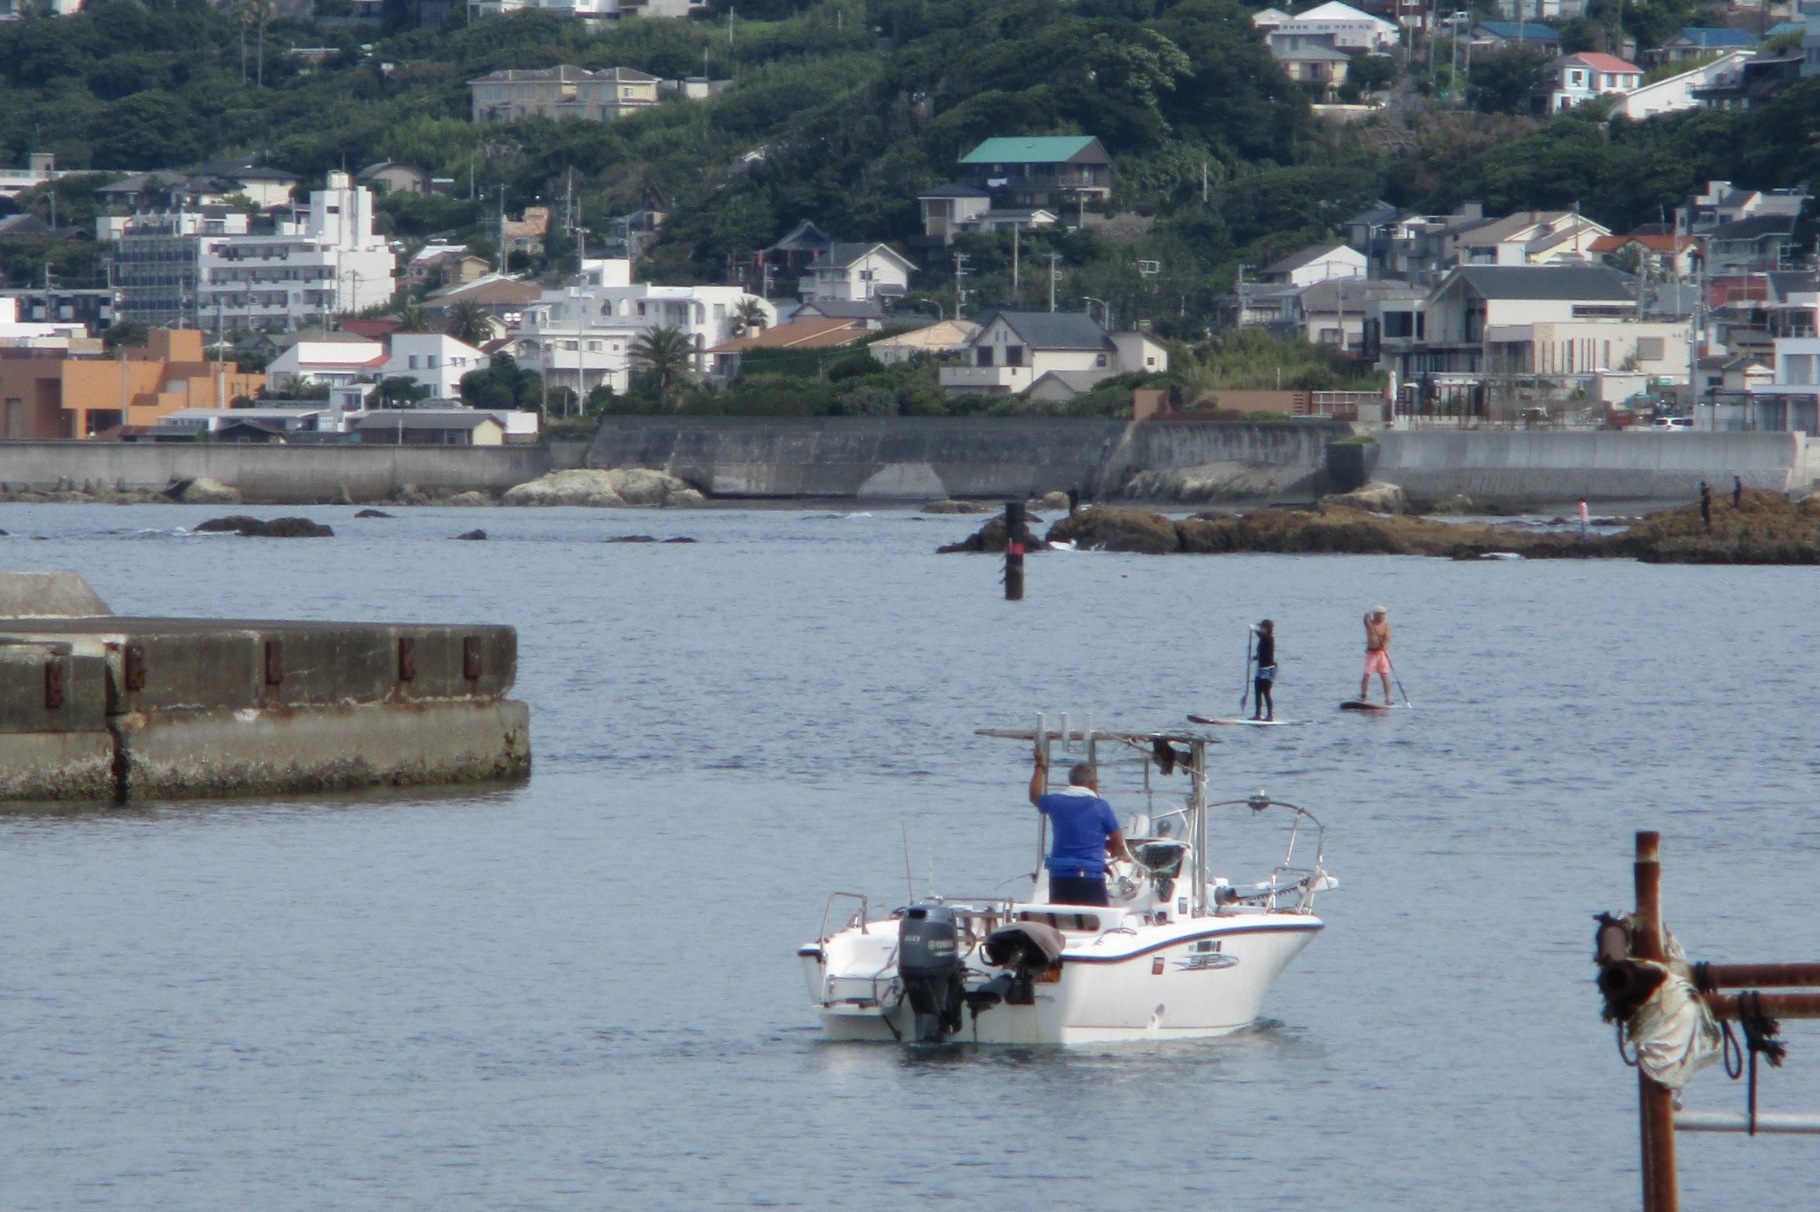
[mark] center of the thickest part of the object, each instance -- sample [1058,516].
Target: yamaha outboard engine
[929,963]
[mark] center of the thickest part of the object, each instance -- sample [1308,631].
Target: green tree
[666,354]
[398,391]
[1507,82]
[467,321]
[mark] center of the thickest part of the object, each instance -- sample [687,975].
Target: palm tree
[411,317]
[467,321]
[750,313]
[667,353]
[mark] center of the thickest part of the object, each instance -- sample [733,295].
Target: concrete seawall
[107,708]
[903,458]
[1514,468]
[278,473]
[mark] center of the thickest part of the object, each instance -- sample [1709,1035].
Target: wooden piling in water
[1655,1102]
[1017,533]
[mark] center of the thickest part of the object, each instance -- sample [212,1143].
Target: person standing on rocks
[1377,653]
[1706,505]
[1737,492]
[1264,680]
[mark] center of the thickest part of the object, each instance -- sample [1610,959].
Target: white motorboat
[1179,952]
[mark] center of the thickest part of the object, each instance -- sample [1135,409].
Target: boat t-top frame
[1160,749]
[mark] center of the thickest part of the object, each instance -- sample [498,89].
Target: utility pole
[1054,273]
[1016,297]
[960,280]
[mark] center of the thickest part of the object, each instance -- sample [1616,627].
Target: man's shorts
[1377,661]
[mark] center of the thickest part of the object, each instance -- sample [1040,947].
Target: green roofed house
[1041,170]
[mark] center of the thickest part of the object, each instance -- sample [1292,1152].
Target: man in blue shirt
[1084,832]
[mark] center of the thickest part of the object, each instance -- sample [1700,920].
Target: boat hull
[1194,979]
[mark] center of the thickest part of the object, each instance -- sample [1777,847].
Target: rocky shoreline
[1766,528]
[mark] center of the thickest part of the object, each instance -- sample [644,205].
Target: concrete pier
[98,707]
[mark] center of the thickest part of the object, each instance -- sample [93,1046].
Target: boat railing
[1287,879]
[861,916]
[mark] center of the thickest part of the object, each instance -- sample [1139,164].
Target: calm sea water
[581,993]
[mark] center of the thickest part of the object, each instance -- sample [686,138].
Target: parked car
[1674,424]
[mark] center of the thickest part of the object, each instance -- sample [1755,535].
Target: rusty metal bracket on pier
[1633,955]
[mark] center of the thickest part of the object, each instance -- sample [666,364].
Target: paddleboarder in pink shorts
[1377,653]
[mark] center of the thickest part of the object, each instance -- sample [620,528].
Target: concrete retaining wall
[922,458]
[279,474]
[1513,468]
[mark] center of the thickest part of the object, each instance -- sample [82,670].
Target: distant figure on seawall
[1706,505]
[1737,492]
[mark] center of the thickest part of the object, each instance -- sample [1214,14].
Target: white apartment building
[328,263]
[157,258]
[581,336]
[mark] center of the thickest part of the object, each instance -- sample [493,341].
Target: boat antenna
[909,883]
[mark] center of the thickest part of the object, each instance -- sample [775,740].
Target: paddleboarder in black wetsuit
[1266,671]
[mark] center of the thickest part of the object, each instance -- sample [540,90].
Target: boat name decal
[1205,961]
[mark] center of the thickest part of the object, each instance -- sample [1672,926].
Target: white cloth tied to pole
[1674,1032]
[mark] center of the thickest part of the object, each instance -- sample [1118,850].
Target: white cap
[1379,610]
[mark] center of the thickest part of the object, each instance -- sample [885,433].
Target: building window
[982,356]
[1014,355]
[1100,361]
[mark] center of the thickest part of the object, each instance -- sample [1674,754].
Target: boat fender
[930,965]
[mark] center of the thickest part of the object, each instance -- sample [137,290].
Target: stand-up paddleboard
[1242,721]
[1362,705]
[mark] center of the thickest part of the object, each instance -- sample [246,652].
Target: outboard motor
[929,963]
[1023,949]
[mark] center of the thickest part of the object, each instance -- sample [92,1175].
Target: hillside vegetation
[839,113]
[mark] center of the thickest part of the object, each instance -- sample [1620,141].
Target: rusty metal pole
[1655,1102]
[1015,533]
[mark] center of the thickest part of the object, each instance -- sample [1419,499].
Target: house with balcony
[852,272]
[1683,90]
[1014,352]
[1564,322]
[1043,171]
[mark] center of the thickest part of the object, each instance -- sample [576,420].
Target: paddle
[1397,680]
[1245,694]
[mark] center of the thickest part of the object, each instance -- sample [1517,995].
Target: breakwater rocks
[277,528]
[618,488]
[1766,528]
